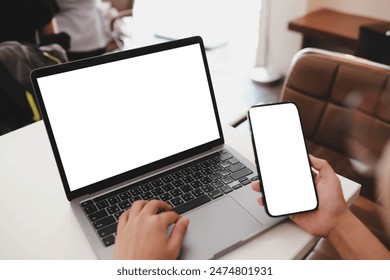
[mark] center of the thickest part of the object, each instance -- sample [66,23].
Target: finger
[136,207]
[154,206]
[123,220]
[321,165]
[169,217]
[177,235]
[314,171]
[256,186]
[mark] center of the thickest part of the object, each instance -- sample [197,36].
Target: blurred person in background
[84,22]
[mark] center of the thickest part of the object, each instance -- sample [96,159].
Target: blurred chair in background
[17,103]
[29,39]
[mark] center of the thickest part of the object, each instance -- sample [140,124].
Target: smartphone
[282,160]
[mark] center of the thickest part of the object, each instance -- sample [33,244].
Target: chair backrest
[344,102]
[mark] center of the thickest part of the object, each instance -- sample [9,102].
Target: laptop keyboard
[185,188]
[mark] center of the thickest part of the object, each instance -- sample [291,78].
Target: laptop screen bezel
[131,174]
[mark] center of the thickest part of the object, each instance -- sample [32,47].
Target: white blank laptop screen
[114,117]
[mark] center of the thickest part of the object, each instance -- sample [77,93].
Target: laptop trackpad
[217,227]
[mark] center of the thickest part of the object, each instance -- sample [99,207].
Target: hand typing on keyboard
[142,233]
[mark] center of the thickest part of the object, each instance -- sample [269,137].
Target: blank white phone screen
[282,159]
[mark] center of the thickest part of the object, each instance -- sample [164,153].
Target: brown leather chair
[344,103]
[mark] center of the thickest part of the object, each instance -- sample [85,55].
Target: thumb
[177,235]
[321,165]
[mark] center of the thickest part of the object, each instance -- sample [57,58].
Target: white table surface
[37,221]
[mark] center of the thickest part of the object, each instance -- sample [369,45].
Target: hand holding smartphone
[282,161]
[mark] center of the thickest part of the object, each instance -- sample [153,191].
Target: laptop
[144,124]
